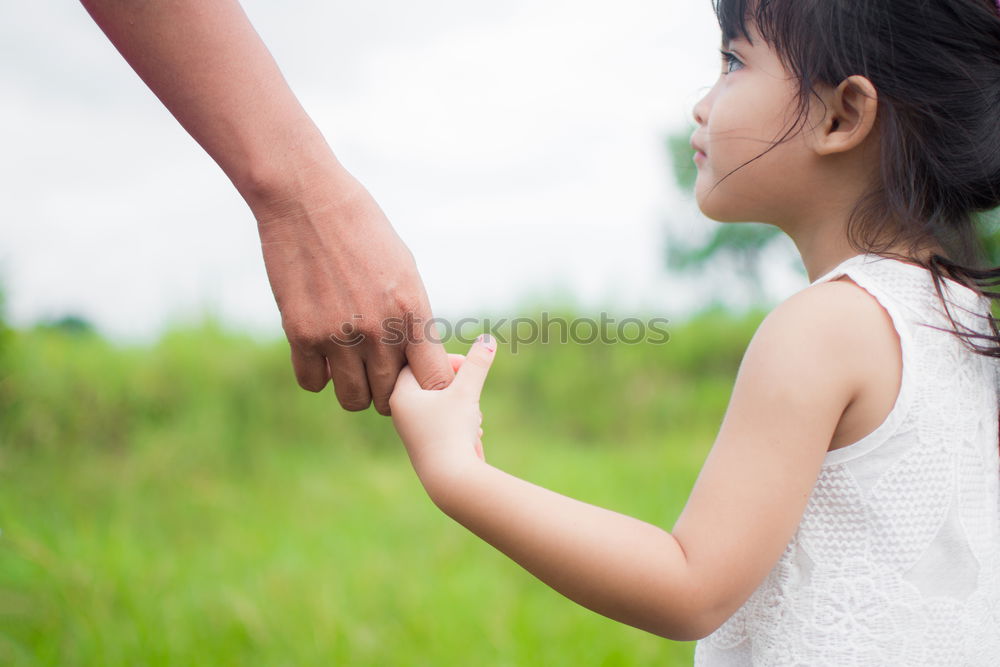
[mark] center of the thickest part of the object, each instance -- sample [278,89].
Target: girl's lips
[699,157]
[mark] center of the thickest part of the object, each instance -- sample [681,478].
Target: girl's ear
[849,117]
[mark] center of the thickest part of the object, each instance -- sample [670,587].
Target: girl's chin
[714,207]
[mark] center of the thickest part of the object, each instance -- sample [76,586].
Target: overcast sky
[517,147]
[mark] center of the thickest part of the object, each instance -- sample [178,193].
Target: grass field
[187,504]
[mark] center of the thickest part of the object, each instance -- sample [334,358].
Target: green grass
[187,504]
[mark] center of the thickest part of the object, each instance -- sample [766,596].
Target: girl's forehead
[750,39]
[736,41]
[746,31]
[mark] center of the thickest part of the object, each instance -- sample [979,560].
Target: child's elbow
[688,630]
[704,616]
[688,625]
[703,628]
[708,619]
[691,630]
[684,609]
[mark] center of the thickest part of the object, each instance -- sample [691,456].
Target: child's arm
[795,381]
[616,565]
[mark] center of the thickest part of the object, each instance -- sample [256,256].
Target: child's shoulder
[828,329]
[839,335]
[835,311]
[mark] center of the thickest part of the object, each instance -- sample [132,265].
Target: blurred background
[168,495]
[534,133]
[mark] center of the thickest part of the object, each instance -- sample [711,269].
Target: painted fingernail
[488,342]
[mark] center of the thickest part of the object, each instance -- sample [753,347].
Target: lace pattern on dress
[896,560]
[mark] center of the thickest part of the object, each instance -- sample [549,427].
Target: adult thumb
[472,374]
[430,363]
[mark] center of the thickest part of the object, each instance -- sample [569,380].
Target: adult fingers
[472,375]
[310,369]
[428,359]
[350,381]
[383,364]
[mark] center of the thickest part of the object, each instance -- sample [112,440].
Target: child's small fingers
[455,360]
[405,391]
[406,381]
[469,379]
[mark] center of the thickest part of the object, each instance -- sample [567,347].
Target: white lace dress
[896,560]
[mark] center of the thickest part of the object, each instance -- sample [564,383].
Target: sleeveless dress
[896,560]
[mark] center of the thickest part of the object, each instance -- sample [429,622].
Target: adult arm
[332,258]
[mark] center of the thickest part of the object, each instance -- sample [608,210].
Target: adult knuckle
[369,331]
[345,332]
[408,256]
[382,389]
[305,334]
[400,295]
[296,332]
[385,373]
[382,382]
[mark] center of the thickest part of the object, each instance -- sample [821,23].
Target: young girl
[848,512]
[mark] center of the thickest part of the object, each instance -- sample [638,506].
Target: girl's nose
[700,112]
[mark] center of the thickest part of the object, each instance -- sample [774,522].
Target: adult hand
[352,303]
[331,256]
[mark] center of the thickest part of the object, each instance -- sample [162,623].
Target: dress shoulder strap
[840,269]
[912,288]
[861,269]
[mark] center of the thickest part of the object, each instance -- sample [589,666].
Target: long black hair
[936,67]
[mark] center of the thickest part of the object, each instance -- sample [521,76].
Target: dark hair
[936,67]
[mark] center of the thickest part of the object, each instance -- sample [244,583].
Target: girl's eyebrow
[727,44]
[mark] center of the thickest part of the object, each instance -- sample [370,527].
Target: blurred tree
[746,242]
[988,224]
[74,325]
[682,159]
[743,243]
[6,355]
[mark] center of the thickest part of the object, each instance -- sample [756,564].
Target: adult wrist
[277,178]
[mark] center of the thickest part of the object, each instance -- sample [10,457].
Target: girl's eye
[730,60]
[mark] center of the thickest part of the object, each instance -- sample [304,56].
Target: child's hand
[441,428]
